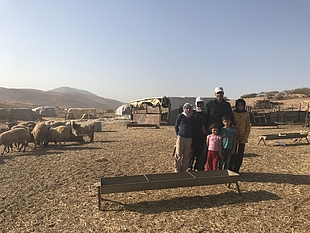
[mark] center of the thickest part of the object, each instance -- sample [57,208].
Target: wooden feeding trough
[297,136]
[165,181]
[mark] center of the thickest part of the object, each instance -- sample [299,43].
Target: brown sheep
[58,134]
[12,136]
[39,133]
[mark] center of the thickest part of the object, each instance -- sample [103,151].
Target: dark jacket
[214,111]
[184,126]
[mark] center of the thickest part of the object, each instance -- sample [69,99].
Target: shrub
[252,95]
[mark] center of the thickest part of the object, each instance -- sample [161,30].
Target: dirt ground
[53,190]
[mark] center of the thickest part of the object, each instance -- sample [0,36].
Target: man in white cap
[214,111]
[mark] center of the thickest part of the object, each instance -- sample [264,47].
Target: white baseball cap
[218,89]
[199,99]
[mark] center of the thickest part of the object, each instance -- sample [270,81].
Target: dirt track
[53,190]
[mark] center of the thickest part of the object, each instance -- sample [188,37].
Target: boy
[228,142]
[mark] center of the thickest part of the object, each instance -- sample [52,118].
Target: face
[188,110]
[219,95]
[240,106]
[226,122]
[215,131]
[199,104]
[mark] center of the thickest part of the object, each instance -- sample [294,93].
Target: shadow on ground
[188,203]
[275,178]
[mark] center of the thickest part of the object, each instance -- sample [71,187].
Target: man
[214,111]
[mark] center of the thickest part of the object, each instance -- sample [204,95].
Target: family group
[211,136]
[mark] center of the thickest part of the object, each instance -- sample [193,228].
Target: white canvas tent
[77,113]
[123,110]
[45,111]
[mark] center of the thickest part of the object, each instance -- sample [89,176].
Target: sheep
[12,136]
[29,124]
[83,129]
[39,133]
[18,126]
[11,124]
[58,123]
[58,134]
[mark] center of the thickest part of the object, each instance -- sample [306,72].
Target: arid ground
[53,190]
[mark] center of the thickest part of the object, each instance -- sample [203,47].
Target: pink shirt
[214,142]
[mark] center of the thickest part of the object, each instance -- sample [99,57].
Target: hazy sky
[131,49]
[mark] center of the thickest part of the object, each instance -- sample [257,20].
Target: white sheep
[12,136]
[58,134]
[39,133]
[20,127]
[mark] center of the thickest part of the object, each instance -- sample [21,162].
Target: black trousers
[197,146]
[237,158]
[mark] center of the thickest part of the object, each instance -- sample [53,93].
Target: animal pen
[295,114]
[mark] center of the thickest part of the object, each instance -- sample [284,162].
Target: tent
[22,114]
[77,113]
[45,111]
[123,110]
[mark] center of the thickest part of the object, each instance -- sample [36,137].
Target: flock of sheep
[41,133]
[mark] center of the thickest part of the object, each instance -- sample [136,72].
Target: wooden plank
[135,124]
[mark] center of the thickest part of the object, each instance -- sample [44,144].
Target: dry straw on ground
[52,190]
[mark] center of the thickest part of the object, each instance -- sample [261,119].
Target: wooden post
[307,115]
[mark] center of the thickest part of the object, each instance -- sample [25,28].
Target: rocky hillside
[63,97]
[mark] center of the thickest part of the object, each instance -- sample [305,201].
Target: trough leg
[238,188]
[259,141]
[99,197]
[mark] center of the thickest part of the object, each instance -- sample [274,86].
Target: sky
[133,49]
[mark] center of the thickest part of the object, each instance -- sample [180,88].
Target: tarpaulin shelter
[160,110]
[22,114]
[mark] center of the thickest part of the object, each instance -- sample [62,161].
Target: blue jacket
[184,126]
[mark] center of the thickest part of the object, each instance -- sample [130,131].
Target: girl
[242,130]
[214,144]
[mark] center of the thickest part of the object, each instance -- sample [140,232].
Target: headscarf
[185,106]
[240,101]
[196,108]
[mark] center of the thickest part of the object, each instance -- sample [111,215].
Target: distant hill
[71,90]
[62,97]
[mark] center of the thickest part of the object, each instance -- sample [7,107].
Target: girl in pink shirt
[214,144]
